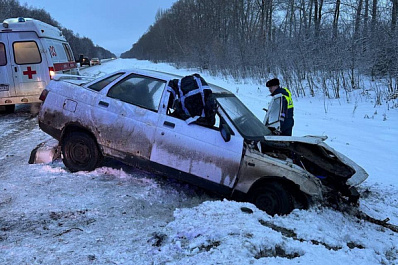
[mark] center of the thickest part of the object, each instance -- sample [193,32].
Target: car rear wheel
[80,152]
[273,198]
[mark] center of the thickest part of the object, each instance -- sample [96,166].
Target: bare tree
[374,15]
[318,16]
[366,18]
[336,18]
[394,14]
[358,20]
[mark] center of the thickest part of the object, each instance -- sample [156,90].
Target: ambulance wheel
[273,198]
[80,152]
[9,108]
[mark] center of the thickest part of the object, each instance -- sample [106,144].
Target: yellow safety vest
[288,99]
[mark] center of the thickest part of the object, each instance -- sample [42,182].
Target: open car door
[273,116]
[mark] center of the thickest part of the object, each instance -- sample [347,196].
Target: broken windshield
[248,125]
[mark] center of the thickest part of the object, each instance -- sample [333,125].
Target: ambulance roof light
[21,19]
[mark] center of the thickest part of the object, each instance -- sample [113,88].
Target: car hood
[314,155]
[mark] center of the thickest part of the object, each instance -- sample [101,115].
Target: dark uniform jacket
[287,120]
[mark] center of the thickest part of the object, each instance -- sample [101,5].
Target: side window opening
[26,52]
[221,121]
[173,110]
[60,56]
[68,52]
[138,90]
[3,58]
[103,83]
[170,105]
[218,121]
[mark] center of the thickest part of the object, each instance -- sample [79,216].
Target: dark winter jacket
[287,120]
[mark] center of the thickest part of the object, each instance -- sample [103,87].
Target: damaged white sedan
[129,115]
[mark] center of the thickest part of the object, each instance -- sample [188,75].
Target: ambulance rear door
[28,63]
[6,77]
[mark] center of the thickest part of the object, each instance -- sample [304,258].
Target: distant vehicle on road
[85,61]
[95,61]
[130,115]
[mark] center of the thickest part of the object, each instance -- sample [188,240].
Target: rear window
[3,58]
[26,52]
[104,82]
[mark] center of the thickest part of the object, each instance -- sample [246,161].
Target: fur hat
[272,82]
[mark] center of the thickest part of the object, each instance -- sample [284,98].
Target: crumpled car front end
[338,174]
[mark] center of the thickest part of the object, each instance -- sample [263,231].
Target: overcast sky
[112,24]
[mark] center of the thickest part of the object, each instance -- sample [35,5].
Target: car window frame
[243,133]
[116,74]
[132,75]
[170,112]
[3,54]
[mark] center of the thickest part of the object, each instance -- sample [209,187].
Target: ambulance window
[3,59]
[104,82]
[61,57]
[68,52]
[26,52]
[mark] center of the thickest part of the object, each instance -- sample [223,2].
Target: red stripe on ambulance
[64,66]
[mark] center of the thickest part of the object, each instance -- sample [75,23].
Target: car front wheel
[273,198]
[80,152]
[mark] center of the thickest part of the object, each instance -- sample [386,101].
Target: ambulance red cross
[29,72]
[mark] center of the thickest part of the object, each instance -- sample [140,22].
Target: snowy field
[120,215]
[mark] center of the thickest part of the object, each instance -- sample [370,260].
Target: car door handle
[169,124]
[103,104]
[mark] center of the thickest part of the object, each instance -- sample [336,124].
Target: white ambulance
[31,53]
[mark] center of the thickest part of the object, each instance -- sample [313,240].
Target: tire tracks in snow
[13,124]
[19,135]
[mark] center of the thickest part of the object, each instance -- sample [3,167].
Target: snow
[122,215]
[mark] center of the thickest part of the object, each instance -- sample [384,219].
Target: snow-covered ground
[121,215]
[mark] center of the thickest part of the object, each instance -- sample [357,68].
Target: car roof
[169,76]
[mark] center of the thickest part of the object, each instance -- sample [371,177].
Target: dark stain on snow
[291,234]
[278,251]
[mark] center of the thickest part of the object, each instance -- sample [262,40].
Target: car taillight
[43,95]
[52,72]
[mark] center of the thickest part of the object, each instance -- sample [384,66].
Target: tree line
[324,44]
[79,45]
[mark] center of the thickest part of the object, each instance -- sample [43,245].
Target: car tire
[80,152]
[273,198]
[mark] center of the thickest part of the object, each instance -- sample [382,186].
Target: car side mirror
[225,132]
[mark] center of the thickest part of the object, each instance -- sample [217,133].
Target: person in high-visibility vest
[286,118]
